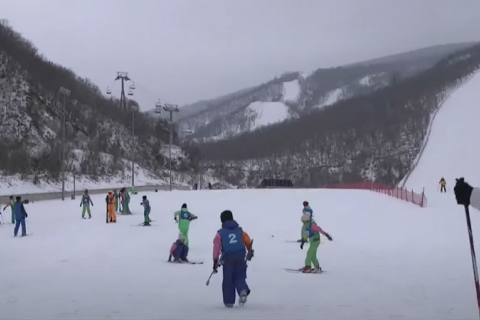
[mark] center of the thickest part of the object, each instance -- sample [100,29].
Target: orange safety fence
[395,192]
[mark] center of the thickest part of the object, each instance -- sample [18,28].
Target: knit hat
[305,217]
[184,206]
[305,203]
[144,197]
[226,215]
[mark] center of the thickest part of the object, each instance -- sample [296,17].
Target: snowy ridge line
[68,194]
[424,144]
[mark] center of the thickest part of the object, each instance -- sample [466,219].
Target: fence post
[423,195]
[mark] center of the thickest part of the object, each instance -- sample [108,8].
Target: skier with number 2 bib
[236,248]
[311,232]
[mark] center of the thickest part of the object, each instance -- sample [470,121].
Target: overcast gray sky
[186,50]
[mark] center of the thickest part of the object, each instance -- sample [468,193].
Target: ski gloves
[462,191]
[217,263]
[249,255]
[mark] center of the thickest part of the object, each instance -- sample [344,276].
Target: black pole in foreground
[474,258]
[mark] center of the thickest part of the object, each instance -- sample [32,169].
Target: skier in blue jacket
[20,216]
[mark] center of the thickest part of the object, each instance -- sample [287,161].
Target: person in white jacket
[467,195]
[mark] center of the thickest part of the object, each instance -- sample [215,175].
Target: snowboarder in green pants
[183,218]
[10,204]
[86,202]
[311,231]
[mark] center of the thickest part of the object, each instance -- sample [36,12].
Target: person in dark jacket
[20,216]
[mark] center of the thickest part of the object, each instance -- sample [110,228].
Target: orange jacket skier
[110,199]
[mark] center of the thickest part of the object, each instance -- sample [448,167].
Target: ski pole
[214,271]
[474,259]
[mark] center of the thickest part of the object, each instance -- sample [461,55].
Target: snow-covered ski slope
[452,149]
[388,260]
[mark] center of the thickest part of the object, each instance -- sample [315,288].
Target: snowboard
[299,271]
[190,262]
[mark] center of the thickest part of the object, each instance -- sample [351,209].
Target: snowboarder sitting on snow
[311,231]
[234,244]
[443,185]
[20,216]
[146,211]
[179,250]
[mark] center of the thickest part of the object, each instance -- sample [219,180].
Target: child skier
[20,216]
[110,200]
[443,185]
[306,209]
[126,202]
[85,202]
[234,244]
[311,231]
[146,211]
[10,204]
[183,218]
[179,250]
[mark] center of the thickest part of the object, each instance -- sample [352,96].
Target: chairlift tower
[171,108]
[123,76]
[66,93]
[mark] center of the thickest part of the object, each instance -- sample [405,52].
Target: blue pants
[181,252]
[234,279]
[19,222]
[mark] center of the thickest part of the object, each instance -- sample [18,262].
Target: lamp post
[66,93]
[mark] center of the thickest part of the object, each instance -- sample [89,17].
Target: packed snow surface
[268,113]
[291,90]
[450,151]
[388,260]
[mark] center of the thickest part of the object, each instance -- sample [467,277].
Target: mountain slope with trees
[249,109]
[373,136]
[98,134]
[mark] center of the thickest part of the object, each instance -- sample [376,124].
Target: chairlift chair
[158,107]
[132,86]
[130,92]
[188,131]
[109,91]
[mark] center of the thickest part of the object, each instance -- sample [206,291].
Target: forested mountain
[295,94]
[371,136]
[100,139]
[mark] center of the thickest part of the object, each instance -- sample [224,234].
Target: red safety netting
[395,192]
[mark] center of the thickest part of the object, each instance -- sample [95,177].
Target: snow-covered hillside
[302,93]
[267,113]
[451,150]
[43,104]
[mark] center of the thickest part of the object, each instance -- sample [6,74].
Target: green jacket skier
[183,218]
[86,202]
[10,204]
[311,231]
[125,201]
[115,195]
